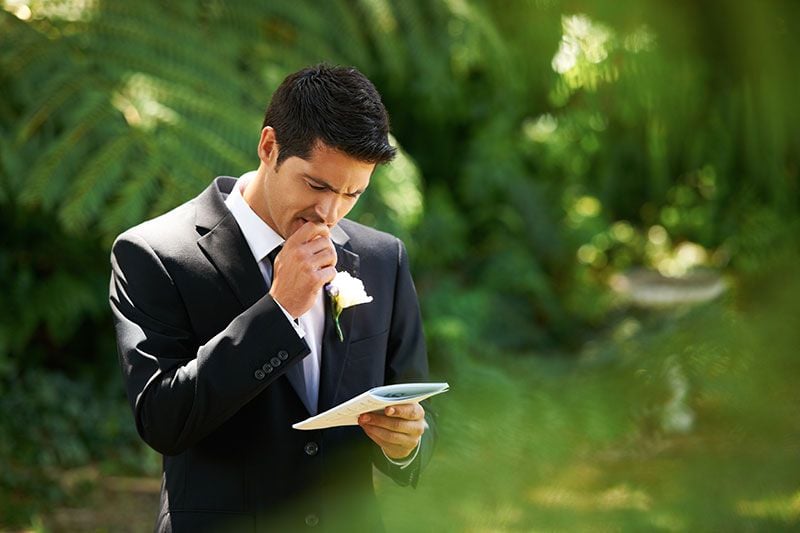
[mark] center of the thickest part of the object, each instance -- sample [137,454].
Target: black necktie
[271,256]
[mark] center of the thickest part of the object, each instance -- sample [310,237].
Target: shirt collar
[260,237]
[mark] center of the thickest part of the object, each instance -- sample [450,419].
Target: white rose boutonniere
[345,291]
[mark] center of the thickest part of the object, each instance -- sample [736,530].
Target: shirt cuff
[295,323]
[403,462]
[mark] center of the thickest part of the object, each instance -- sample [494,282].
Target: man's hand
[397,430]
[306,263]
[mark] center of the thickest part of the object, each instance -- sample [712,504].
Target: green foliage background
[546,145]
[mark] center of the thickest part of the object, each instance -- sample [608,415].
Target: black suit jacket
[207,357]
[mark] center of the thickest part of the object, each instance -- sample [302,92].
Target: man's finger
[409,411]
[320,245]
[326,275]
[386,437]
[308,232]
[325,258]
[414,428]
[386,422]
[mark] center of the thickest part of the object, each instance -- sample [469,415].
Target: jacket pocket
[372,346]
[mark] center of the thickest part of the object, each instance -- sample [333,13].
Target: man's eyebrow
[323,183]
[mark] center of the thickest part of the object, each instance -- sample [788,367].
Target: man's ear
[268,146]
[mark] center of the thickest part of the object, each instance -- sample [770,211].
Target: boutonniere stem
[345,291]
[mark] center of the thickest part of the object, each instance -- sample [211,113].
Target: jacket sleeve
[180,392]
[407,361]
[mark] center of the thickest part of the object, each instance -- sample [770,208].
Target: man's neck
[253,194]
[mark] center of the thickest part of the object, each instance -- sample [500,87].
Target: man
[226,338]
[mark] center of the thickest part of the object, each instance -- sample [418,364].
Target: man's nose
[328,209]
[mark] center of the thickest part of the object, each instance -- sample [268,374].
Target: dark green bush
[51,424]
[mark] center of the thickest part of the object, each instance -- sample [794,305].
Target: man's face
[322,189]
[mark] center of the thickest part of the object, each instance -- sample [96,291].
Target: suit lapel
[297,378]
[225,246]
[334,351]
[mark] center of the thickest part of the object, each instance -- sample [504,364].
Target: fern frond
[58,91]
[132,202]
[50,175]
[168,50]
[94,183]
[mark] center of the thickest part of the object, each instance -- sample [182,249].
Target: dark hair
[337,106]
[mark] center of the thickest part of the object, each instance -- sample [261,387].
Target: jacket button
[260,374]
[311,448]
[284,355]
[275,361]
[267,368]
[312,520]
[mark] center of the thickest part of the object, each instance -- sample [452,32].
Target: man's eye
[317,187]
